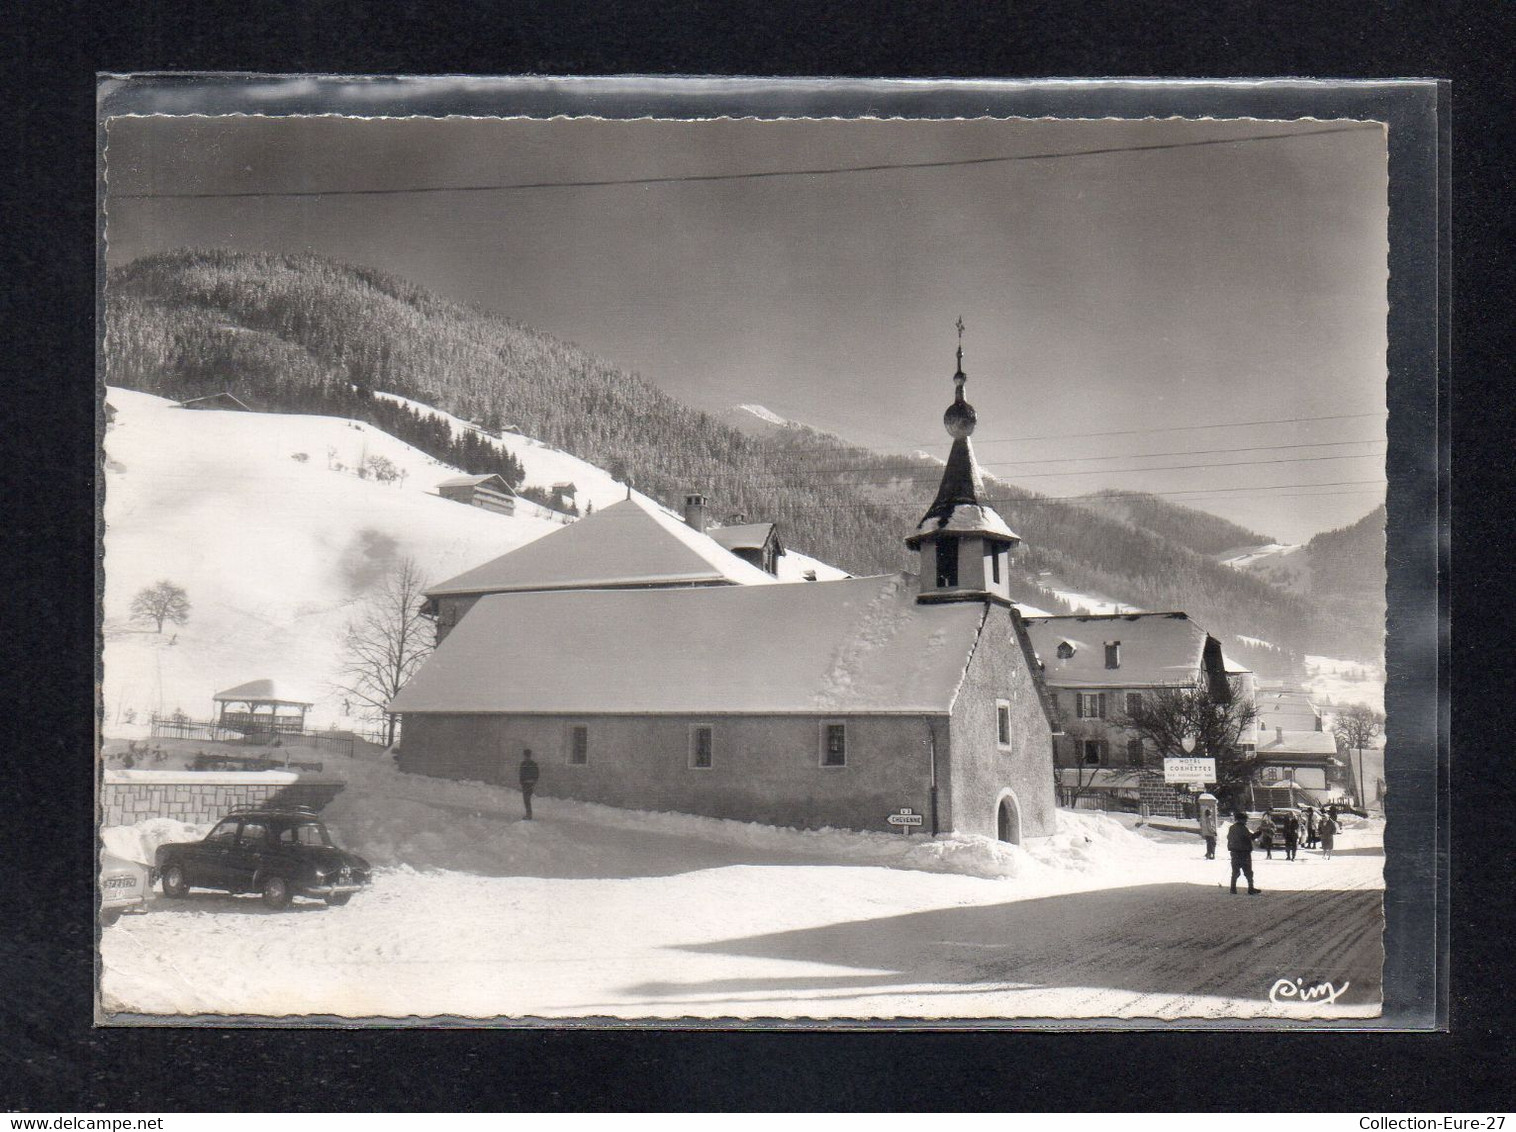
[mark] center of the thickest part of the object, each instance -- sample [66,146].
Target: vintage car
[124,885]
[278,853]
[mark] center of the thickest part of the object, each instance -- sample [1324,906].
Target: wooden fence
[339,741]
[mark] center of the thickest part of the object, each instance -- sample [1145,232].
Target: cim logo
[1321,991]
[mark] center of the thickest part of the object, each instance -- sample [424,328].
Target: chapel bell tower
[965,547]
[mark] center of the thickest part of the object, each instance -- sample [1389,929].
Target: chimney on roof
[1279,734]
[694,512]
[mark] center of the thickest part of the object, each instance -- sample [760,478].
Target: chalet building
[216,401]
[490,492]
[1299,767]
[1097,669]
[644,672]
[757,543]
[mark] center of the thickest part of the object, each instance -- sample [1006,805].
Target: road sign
[1196,771]
[906,816]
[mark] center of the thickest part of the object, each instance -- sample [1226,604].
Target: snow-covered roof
[268,691]
[960,506]
[631,543]
[474,481]
[743,536]
[863,645]
[1156,649]
[1273,744]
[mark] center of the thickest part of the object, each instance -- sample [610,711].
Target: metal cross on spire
[959,325]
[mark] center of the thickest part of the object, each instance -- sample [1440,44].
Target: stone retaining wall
[127,797]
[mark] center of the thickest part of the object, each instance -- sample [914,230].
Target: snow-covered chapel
[649,670]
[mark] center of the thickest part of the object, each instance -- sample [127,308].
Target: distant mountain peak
[763,414]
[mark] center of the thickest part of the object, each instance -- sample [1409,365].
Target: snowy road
[586,913]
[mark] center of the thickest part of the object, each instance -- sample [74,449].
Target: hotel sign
[1197,772]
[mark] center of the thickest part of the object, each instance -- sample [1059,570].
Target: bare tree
[1356,727]
[161,602]
[1166,717]
[386,643]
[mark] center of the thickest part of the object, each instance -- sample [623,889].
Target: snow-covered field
[276,540]
[1337,682]
[1245,557]
[590,912]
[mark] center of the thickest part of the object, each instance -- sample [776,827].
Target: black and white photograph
[696,570]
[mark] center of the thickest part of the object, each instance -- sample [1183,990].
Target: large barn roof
[862,645]
[1156,649]
[628,544]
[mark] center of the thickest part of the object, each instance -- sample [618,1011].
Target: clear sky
[1123,293]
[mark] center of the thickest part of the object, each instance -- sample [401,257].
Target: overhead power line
[753,175]
[928,474]
[1141,431]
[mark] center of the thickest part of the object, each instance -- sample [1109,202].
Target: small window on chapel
[700,747]
[1003,724]
[834,744]
[1065,651]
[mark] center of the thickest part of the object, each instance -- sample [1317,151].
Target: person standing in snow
[1291,836]
[1310,828]
[1208,831]
[530,772]
[1328,834]
[1266,833]
[1239,843]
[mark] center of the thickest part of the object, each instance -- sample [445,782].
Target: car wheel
[175,883]
[276,892]
[338,899]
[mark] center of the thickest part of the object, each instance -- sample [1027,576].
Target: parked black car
[279,853]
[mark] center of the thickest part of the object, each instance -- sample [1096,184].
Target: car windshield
[226,831]
[306,833]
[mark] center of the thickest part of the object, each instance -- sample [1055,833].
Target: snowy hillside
[264,522]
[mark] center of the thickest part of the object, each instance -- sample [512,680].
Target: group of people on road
[1241,841]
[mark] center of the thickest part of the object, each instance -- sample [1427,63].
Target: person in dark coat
[530,772]
[1310,828]
[1239,843]
[1291,836]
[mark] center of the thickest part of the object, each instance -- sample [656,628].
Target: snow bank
[140,842]
[413,821]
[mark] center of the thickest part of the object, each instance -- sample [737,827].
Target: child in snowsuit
[1266,837]
[1208,831]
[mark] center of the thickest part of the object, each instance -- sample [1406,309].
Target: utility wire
[1136,431]
[925,474]
[756,175]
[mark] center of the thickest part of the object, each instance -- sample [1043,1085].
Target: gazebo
[261,707]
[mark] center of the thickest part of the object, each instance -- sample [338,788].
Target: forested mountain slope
[314,335]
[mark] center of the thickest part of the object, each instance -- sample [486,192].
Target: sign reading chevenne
[906,816]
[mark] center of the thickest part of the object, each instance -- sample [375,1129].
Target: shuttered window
[1089,705]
